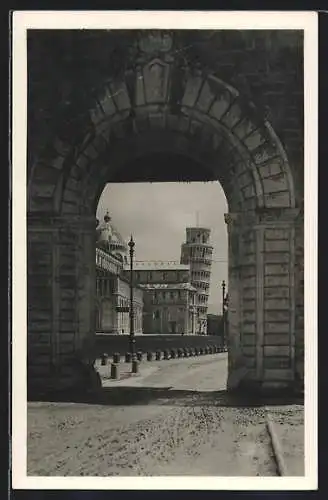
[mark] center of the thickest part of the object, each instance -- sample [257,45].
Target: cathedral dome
[109,238]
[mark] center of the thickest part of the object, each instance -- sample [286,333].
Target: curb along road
[277,450]
[146,370]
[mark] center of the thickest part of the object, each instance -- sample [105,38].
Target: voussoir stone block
[192,90]
[119,93]
[232,116]
[106,107]
[243,128]
[220,106]
[205,98]
[277,200]
[275,183]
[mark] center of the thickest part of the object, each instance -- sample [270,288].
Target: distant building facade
[112,287]
[215,324]
[197,252]
[169,297]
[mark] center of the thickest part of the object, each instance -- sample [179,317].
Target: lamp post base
[135,366]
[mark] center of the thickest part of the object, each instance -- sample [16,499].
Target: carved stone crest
[156,80]
[155,42]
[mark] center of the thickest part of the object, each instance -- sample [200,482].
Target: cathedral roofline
[168,286]
[158,265]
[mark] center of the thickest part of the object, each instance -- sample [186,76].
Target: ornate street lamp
[223,285]
[131,337]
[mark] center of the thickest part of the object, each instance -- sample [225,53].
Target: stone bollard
[128,357]
[180,352]
[139,355]
[158,355]
[135,366]
[116,357]
[166,354]
[149,356]
[104,359]
[114,371]
[173,353]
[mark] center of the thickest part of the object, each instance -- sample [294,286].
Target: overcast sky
[157,215]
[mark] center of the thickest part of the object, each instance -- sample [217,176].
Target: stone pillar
[236,366]
[278,270]
[61,295]
[261,315]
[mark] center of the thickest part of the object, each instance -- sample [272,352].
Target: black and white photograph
[164,241]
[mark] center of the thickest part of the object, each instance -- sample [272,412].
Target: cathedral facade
[112,287]
[169,297]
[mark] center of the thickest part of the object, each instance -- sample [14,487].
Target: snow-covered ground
[172,419]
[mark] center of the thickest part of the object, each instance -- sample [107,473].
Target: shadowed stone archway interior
[114,99]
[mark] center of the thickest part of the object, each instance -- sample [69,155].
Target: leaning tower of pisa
[197,252]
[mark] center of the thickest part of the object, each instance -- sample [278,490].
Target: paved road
[171,420]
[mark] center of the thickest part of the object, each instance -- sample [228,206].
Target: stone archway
[152,108]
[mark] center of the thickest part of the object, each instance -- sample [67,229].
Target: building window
[172,295]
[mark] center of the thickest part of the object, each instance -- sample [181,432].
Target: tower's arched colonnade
[156,104]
